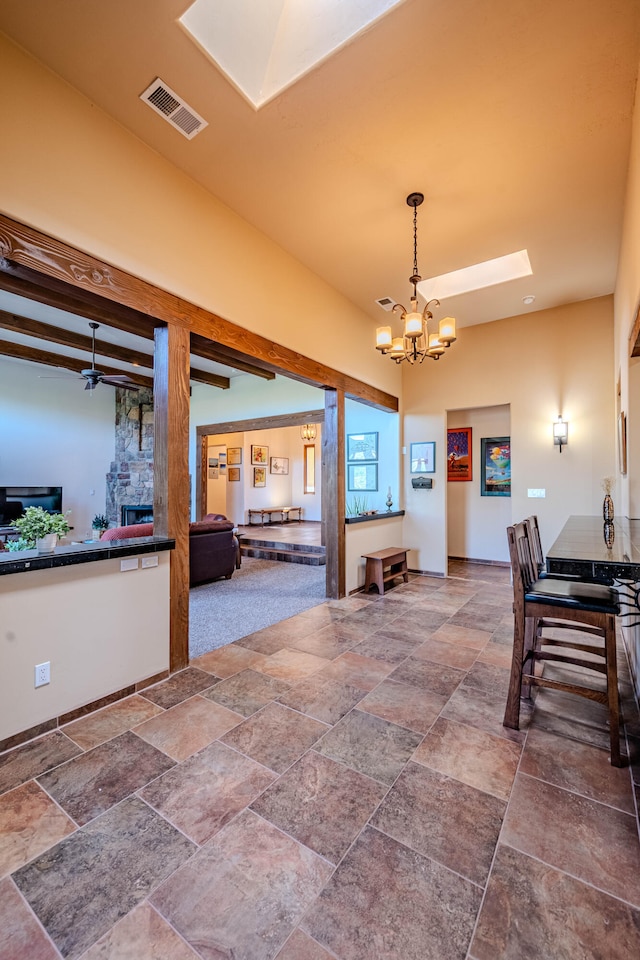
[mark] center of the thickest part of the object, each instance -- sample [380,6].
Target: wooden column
[333,495]
[171,507]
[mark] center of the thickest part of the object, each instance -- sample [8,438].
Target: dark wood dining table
[585,548]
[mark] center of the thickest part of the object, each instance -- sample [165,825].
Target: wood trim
[333,492]
[21,352]
[634,336]
[201,347]
[262,423]
[171,508]
[23,248]
[201,472]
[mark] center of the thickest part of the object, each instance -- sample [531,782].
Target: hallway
[338,785]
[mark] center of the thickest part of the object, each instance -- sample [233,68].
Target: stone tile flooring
[337,787]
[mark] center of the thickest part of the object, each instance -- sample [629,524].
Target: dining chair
[569,603]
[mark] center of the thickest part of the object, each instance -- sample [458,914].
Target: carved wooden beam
[27,253]
[201,347]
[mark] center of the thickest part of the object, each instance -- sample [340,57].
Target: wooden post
[171,507]
[333,495]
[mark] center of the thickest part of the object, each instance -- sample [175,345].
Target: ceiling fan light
[447,331]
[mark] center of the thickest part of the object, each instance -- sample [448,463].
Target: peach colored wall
[627,370]
[74,173]
[547,362]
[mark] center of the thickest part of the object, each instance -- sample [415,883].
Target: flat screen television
[15,500]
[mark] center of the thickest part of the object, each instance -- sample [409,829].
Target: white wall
[360,418]
[475,524]
[217,486]
[53,432]
[75,623]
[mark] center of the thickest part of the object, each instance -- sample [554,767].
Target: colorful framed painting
[234,455]
[259,476]
[459,465]
[259,455]
[495,478]
[233,474]
[362,476]
[279,465]
[423,457]
[362,446]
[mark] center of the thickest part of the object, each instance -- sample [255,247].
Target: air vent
[175,111]
[386,303]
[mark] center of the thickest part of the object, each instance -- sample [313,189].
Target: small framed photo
[362,476]
[259,476]
[459,465]
[362,446]
[259,455]
[213,473]
[213,461]
[234,455]
[495,456]
[233,473]
[279,465]
[423,457]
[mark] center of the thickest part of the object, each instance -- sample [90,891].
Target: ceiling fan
[94,377]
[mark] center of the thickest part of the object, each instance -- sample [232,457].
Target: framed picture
[234,455]
[362,476]
[495,477]
[259,476]
[259,454]
[362,446]
[423,457]
[622,442]
[213,473]
[233,473]
[213,461]
[459,465]
[279,465]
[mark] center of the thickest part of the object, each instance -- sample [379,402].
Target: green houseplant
[36,524]
[99,524]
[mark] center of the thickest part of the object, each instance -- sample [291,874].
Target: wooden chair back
[535,541]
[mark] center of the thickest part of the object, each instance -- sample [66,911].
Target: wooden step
[308,557]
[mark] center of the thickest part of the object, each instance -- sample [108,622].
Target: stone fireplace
[130,481]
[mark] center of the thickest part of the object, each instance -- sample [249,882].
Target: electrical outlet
[150,561]
[131,563]
[42,674]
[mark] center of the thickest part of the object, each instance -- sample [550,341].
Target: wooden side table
[393,560]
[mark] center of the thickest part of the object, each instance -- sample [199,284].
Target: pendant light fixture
[416,342]
[308,431]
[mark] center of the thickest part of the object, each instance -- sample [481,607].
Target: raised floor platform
[298,543]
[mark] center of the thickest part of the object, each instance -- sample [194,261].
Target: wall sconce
[560,432]
[308,431]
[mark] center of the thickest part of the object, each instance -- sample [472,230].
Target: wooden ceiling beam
[209,350]
[68,338]
[78,341]
[21,352]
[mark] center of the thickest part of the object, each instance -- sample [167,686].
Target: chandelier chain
[415,240]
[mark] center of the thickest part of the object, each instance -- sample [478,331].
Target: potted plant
[41,530]
[99,524]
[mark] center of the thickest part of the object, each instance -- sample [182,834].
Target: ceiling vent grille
[386,303]
[175,111]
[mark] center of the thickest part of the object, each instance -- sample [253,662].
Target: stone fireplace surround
[130,480]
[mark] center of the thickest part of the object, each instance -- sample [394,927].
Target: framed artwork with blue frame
[495,477]
[423,457]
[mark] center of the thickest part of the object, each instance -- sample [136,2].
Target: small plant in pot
[41,530]
[99,524]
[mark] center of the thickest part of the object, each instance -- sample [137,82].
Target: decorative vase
[609,533]
[47,544]
[607,509]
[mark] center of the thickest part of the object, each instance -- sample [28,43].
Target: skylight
[485,274]
[264,47]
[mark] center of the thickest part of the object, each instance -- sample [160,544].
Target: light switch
[131,563]
[536,492]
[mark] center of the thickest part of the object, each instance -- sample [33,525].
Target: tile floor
[338,786]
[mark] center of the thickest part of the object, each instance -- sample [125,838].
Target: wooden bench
[269,511]
[393,560]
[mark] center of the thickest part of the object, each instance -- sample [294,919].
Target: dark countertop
[382,515]
[68,555]
[581,549]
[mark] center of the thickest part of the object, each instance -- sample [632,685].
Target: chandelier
[416,342]
[308,431]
